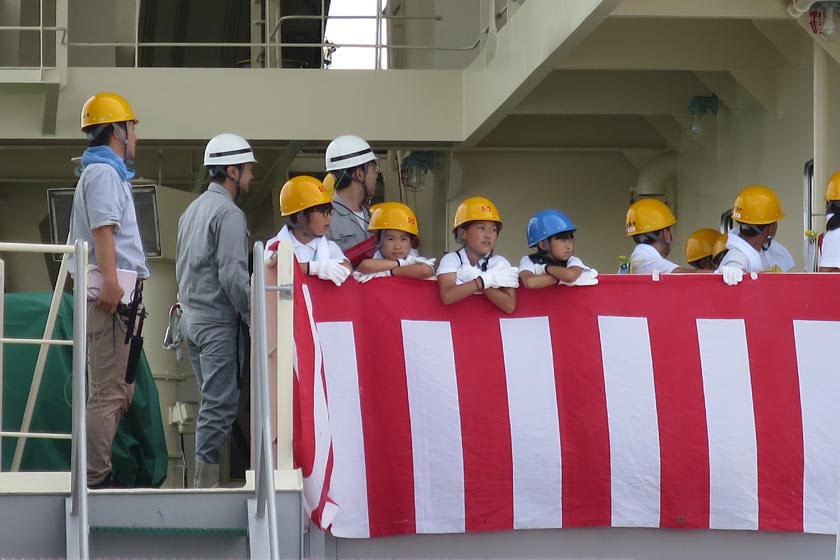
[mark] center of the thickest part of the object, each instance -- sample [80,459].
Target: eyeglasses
[375,166]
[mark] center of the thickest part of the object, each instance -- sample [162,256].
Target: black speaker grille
[60,204]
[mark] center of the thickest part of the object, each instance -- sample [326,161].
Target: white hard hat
[348,151]
[228,149]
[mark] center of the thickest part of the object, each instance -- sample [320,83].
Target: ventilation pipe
[658,179]
[798,8]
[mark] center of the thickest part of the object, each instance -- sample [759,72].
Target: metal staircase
[264,519]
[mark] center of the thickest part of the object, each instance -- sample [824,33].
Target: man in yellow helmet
[649,223]
[751,244]
[211,266]
[103,215]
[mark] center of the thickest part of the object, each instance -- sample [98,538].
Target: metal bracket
[286,291]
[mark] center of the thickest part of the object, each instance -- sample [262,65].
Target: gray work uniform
[346,229]
[214,289]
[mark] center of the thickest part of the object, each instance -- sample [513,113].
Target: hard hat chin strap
[486,257]
[653,236]
[235,179]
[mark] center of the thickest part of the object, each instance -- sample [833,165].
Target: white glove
[539,269]
[732,275]
[331,269]
[504,277]
[467,273]
[586,278]
[424,260]
[410,259]
[362,278]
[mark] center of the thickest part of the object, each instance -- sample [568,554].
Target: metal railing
[266,507]
[77,510]
[41,29]
[261,50]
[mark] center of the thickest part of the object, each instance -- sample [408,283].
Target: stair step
[170,531]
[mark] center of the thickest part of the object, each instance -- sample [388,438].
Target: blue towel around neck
[104,154]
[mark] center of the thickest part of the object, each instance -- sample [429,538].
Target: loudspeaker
[60,207]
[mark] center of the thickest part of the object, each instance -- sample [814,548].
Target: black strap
[354,154]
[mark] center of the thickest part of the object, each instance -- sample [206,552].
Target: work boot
[206,475]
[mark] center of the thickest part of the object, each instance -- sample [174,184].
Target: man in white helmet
[214,291]
[353,164]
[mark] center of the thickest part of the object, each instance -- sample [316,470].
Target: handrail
[41,362]
[267,44]
[264,484]
[78,454]
[77,508]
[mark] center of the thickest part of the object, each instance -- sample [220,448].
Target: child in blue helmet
[552,234]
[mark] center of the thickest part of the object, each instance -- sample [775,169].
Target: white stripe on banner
[349,481]
[534,425]
[632,418]
[435,427]
[730,421]
[820,398]
[313,492]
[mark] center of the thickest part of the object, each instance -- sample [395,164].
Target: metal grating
[60,205]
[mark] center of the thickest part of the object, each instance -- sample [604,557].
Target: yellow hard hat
[300,193]
[832,191]
[393,215]
[646,215]
[473,209]
[757,205]
[104,108]
[329,184]
[700,244]
[720,245]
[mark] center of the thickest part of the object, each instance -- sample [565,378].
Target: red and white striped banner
[679,403]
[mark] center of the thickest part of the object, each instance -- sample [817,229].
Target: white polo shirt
[745,257]
[317,249]
[830,249]
[451,262]
[645,259]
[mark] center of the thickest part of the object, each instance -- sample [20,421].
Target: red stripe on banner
[485,421]
[304,385]
[584,431]
[778,421]
[681,412]
[388,452]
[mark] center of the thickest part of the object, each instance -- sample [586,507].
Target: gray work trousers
[212,346]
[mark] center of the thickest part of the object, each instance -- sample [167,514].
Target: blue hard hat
[546,223]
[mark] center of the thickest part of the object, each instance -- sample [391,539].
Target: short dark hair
[343,177]
[104,136]
[306,212]
[648,238]
[751,230]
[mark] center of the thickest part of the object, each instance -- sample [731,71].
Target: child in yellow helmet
[830,243]
[719,250]
[307,208]
[751,244]
[474,268]
[395,228]
[699,248]
[649,222]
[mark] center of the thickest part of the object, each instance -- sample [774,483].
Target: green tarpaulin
[139,451]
